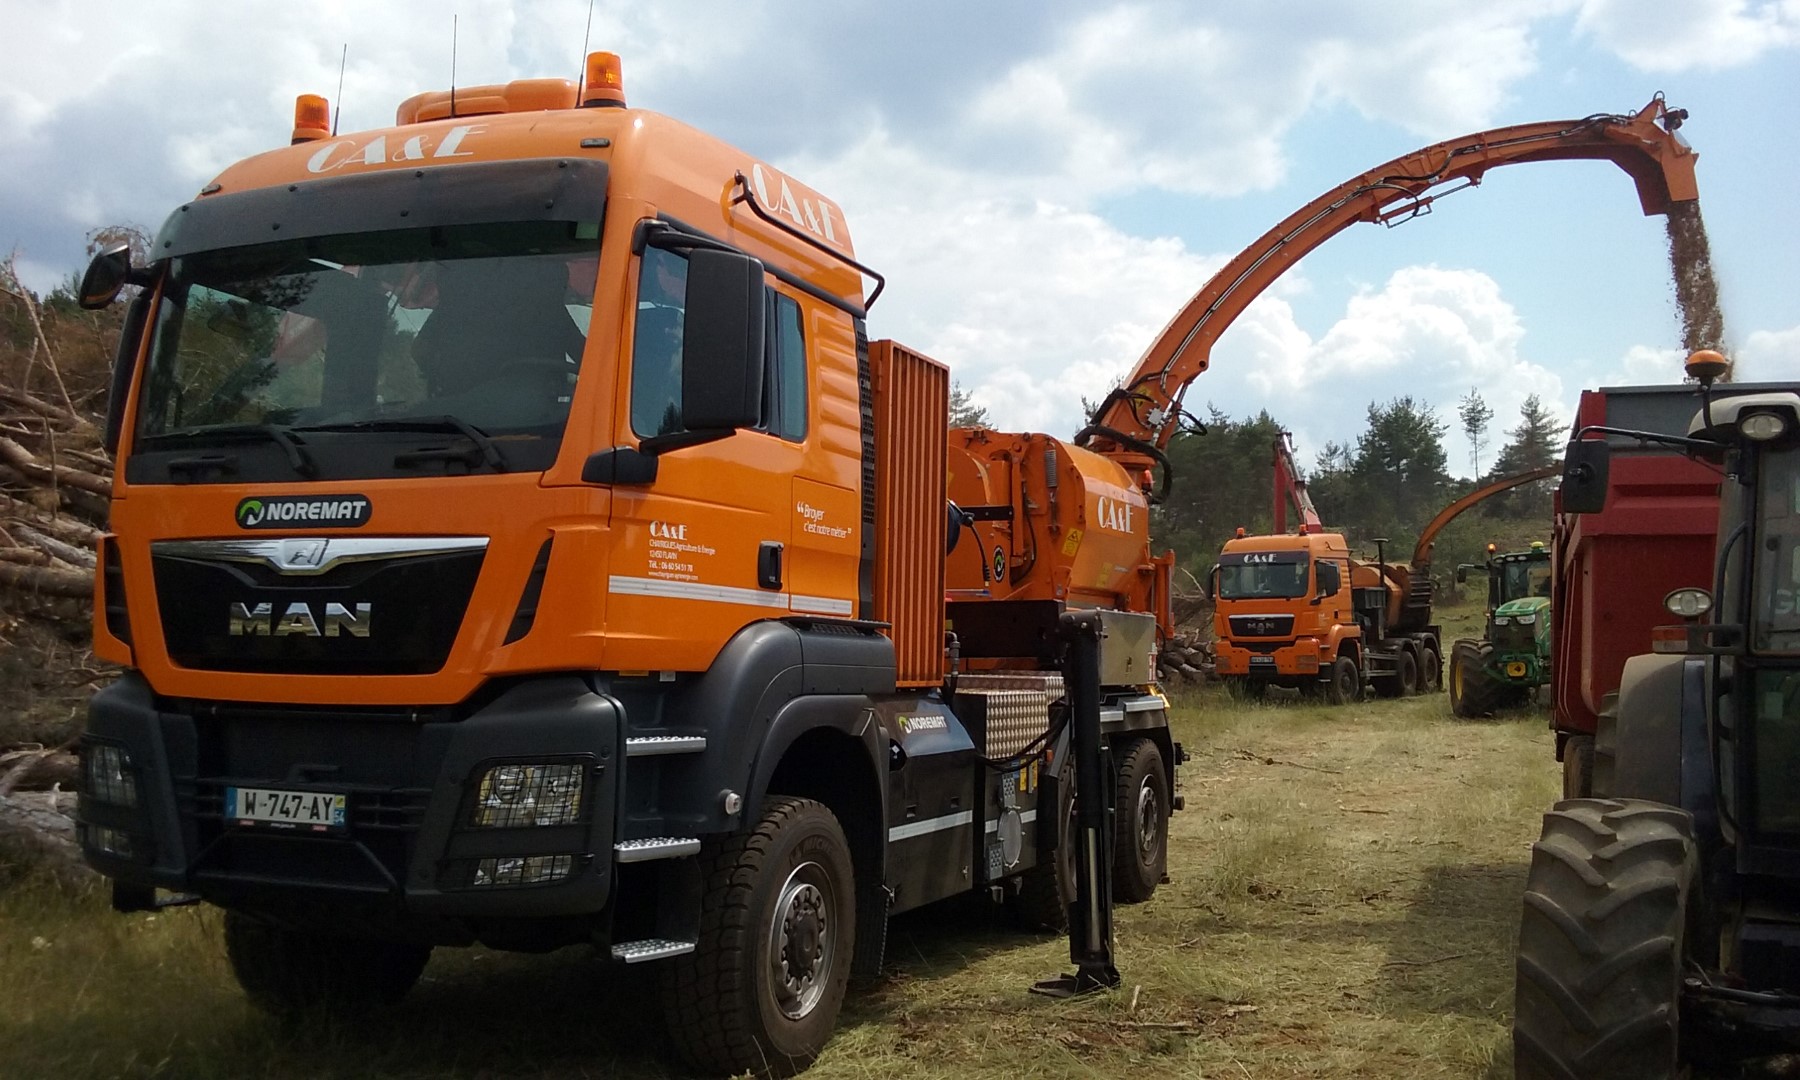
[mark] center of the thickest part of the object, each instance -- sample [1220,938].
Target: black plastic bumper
[407,850]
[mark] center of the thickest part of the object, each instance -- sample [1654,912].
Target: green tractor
[1502,669]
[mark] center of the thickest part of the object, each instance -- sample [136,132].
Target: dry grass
[1343,905]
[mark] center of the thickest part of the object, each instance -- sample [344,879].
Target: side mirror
[1585,466]
[722,342]
[109,272]
[1212,582]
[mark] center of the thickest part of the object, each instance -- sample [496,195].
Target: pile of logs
[1184,660]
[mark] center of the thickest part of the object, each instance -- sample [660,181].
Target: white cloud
[1684,35]
[1770,355]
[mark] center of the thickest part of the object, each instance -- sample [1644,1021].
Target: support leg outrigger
[1090,914]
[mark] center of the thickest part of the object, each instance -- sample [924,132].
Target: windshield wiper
[297,454]
[489,453]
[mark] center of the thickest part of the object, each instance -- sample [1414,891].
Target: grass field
[1344,902]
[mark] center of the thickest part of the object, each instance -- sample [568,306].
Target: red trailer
[1613,567]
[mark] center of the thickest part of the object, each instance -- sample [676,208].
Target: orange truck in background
[517,539]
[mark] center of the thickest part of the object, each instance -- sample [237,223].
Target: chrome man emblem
[302,554]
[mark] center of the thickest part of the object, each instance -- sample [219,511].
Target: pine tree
[1536,442]
[1476,415]
[964,412]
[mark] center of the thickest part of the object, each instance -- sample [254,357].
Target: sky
[1045,183]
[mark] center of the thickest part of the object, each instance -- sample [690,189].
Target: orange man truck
[517,539]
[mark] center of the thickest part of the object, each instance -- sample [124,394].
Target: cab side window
[784,392]
[656,344]
[1330,581]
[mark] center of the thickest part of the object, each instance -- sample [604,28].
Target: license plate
[1259,660]
[312,811]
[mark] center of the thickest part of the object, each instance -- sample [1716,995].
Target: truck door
[703,549]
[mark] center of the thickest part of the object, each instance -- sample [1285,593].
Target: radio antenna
[452,65]
[581,79]
[342,61]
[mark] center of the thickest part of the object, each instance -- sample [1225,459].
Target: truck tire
[1578,767]
[1041,903]
[760,993]
[288,972]
[1474,691]
[1430,668]
[1407,673]
[1345,686]
[1599,966]
[1140,822]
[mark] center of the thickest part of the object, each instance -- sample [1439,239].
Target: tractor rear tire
[1430,667]
[1140,822]
[1474,692]
[760,993]
[290,972]
[1599,968]
[1345,687]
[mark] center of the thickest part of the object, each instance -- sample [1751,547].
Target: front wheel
[1474,691]
[1345,686]
[287,972]
[760,993]
[1598,989]
[1141,823]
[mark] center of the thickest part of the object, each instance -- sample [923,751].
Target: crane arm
[1135,422]
[1422,551]
[1290,485]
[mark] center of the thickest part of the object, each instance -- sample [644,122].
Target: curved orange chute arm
[1422,551]
[1137,420]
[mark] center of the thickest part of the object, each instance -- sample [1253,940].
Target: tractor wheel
[1140,822]
[1473,689]
[1429,667]
[761,991]
[1345,686]
[288,972]
[1578,767]
[1599,968]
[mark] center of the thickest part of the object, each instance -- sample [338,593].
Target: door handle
[768,564]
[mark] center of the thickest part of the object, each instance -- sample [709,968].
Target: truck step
[650,745]
[636,952]
[659,847]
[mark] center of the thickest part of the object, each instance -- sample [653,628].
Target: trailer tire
[1474,692]
[1140,822]
[1429,669]
[290,972]
[760,993]
[1407,672]
[1345,687]
[1578,767]
[1598,987]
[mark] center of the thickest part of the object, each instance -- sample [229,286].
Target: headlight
[1763,426]
[1691,603]
[1525,620]
[1502,620]
[109,776]
[510,796]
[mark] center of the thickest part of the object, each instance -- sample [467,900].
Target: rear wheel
[286,972]
[761,991]
[1140,822]
[1407,675]
[1473,689]
[1598,987]
[1578,767]
[1346,682]
[1429,664]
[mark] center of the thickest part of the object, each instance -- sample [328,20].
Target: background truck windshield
[1777,587]
[1262,574]
[485,323]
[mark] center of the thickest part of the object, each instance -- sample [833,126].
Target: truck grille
[228,606]
[1262,625]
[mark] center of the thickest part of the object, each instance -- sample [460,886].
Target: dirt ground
[1343,903]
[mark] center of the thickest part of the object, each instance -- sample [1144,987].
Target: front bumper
[1287,662]
[406,849]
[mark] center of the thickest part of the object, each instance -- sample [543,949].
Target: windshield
[1526,577]
[1256,574]
[484,324]
[1777,553]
